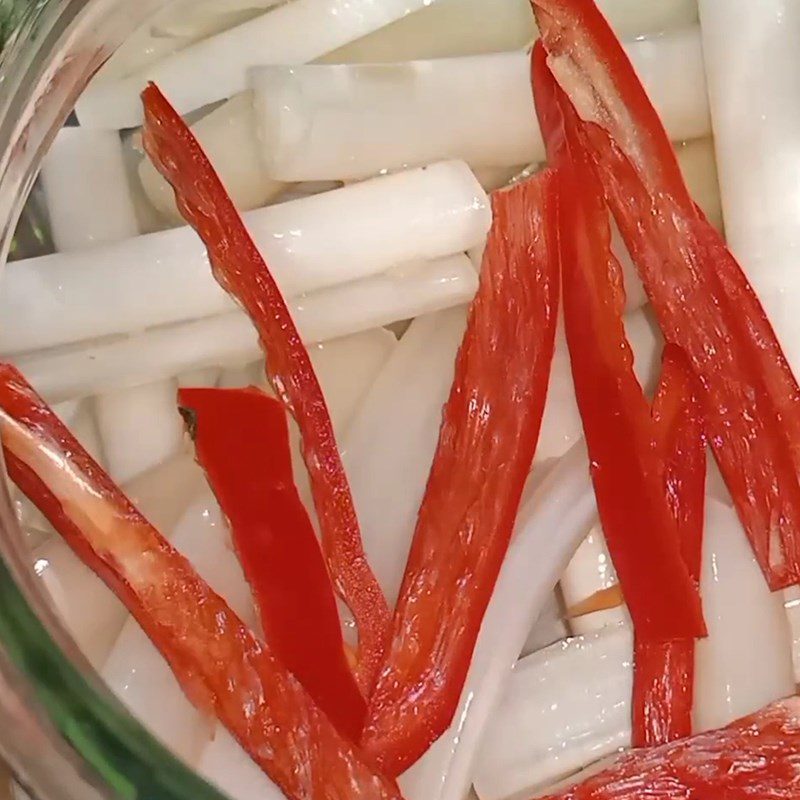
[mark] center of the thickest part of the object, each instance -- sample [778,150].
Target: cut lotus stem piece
[86,190]
[755,106]
[754,756]
[84,603]
[563,708]
[565,502]
[337,122]
[139,427]
[312,243]
[185,77]
[443,29]
[142,679]
[746,660]
[225,765]
[228,136]
[388,465]
[550,627]
[346,369]
[588,585]
[231,338]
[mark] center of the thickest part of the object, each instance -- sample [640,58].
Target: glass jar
[61,731]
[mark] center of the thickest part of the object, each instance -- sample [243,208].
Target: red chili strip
[486,444]
[701,296]
[239,268]
[754,757]
[663,687]
[221,665]
[241,440]
[626,465]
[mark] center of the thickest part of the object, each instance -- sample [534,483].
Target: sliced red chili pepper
[240,270]
[754,757]
[221,665]
[626,464]
[663,686]
[701,296]
[486,444]
[241,440]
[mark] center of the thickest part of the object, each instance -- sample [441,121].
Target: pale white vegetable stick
[163,493]
[86,190]
[563,503]
[141,678]
[791,597]
[216,68]
[320,122]
[755,106]
[462,27]
[346,368]
[231,338]
[89,610]
[549,628]
[225,764]
[564,707]
[699,167]
[199,378]
[746,660]
[443,29]
[387,465]
[228,138]
[590,571]
[139,427]
[310,244]
[245,375]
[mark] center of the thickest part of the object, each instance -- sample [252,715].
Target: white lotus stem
[88,609]
[563,708]
[310,244]
[746,660]
[231,338]
[228,138]
[139,427]
[387,465]
[444,29]
[86,190]
[319,122]
[141,678]
[164,493]
[347,368]
[199,378]
[565,503]
[699,167]
[589,574]
[632,18]
[224,764]
[549,628]
[216,68]
[755,106]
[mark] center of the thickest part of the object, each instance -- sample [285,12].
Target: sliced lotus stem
[564,707]
[140,677]
[443,29]
[225,765]
[228,137]
[83,602]
[337,122]
[564,501]
[590,587]
[549,627]
[140,428]
[216,68]
[311,244]
[746,661]
[230,338]
[86,190]
[388,465]
[756,115]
